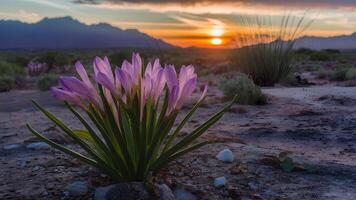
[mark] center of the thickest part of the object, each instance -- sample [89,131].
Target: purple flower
[180,88]
[36,68]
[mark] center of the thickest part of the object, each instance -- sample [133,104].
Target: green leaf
[181,125]
[62,148]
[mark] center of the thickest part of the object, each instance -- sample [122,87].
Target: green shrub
[351,74]
[119,57]
[267,54]
[339,74]
[332,51]
[320,56]
[304,51]
[47,81]
[6,83]
[10,69]
[245,89]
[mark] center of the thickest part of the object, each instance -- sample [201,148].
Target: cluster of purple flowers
[36,68]
[127,82]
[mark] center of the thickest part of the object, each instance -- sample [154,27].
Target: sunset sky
[204,23]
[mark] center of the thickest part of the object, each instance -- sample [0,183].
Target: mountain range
[335,42]
[67,33]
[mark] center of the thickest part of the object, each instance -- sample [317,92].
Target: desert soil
[314,125]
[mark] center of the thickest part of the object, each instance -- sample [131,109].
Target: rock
[220,182]
[38,146]
[165,192]
[182,194]
[225,155]
[131,191]
[253,186]
[11,147]
[77,188]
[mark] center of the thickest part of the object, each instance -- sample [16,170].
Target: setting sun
[216,41]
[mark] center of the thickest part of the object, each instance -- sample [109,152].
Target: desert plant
[339,74]
[47,81]
[350,74]
[244,88]
[304,51]
[133,111]
[36,68]
[10,69]
[6,83]
[320,56]
[266,52]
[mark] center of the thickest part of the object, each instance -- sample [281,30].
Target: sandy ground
[315,125]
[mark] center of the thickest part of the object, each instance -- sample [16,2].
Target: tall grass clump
[266,44]
[245,90]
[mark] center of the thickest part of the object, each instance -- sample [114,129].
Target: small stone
[220,182]
[253,186]
[36,168]
[77,188]
[182,194]
[225,155]
[131,190]
[165,192]
[38,146]
[10,147]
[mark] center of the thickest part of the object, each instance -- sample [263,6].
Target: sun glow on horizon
[216,41]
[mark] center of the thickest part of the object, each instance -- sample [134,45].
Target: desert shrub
[320,56]
[339,74]
[246,90]
[267,54]
[304,51]
[6,83]
[119,57]
[332,51]
[350,74]
[47,81]
[10,69]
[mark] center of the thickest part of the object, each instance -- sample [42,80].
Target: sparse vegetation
[304,51]
[320,56]
[47,81]
[267,54]
[246,90]
[10,69]
[6,83]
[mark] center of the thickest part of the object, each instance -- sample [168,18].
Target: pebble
[12,146]
[225,155]
[182,194]
[165,192]
[38,146]
[220,182]
[77,188]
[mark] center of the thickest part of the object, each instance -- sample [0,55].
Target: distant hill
[335,42]
[66,32]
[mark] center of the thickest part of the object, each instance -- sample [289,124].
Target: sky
[203,23]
